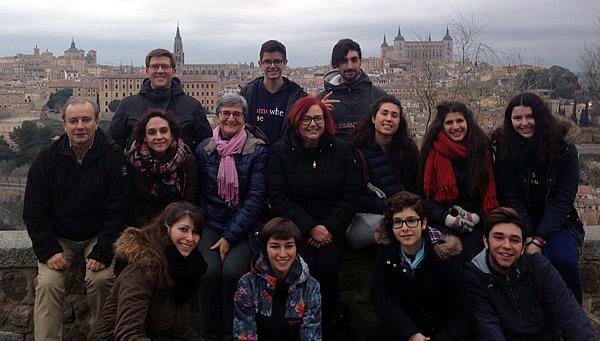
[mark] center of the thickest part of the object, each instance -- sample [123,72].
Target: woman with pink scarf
[232,168]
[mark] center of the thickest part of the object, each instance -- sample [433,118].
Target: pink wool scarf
[227,177]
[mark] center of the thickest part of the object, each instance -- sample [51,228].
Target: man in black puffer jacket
[161,90]
[352,92]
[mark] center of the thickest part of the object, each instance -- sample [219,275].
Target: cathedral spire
[399,36]
[384,44]
[178,49]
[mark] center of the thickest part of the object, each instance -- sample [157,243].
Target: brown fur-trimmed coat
[139,308]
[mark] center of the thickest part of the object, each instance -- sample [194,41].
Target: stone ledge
[15,250]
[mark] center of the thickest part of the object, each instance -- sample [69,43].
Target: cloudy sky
[543,32]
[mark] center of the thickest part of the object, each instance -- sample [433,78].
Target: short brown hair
[160,53]
[398,202]
[503,215]
[279,228]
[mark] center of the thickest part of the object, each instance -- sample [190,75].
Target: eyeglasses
[156,67]
[307,119]
[268,62]
[410,222]
[235,114]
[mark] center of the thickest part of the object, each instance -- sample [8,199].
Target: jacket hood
[175,87]
[255,137]
[450,247]
[299,272]
[480,262]
[133,246]
[333,78]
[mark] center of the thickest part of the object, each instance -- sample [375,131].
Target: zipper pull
[314,164]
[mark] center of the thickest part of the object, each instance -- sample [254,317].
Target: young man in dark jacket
[75,202]
[352,92]
[161,90]
[520,296]
[271,96]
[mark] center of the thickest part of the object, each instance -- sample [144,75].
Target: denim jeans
[561,250]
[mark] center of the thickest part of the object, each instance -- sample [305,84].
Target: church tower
[178,50]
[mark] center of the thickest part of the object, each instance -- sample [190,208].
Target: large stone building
[406,53]
[45,65]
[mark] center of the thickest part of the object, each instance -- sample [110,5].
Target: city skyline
[232,31]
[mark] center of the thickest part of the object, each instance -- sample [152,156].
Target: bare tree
[590,65]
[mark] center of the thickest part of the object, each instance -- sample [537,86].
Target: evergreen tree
[30,139]
[574,112]
[584,121]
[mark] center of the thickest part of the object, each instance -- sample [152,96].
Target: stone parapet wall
[18,269]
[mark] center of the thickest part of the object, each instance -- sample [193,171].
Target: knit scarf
[439,181]
[185,272]
[227,177]
[141,158]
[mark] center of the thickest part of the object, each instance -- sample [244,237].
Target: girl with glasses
[418,277]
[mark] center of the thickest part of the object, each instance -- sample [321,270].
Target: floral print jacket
[255,294]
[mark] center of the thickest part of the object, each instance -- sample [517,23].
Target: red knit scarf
[439,181]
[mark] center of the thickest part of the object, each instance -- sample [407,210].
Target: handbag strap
[363,161]
[372,188]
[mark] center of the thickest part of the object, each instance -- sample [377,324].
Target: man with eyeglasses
[161,90]
[348,90]
[271,96]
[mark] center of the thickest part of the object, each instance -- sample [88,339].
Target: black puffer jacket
[562,181]
[295,92]
[76,201]
[425,300]
[355,100]
[314,186]
[383,176]
[531,302]
[187,111]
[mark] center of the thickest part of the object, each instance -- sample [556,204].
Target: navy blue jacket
[76,201]
[531,302]
[512,184]
[314,186]
[251,164]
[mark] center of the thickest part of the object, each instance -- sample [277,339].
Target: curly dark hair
[477,143]
[139,130]
[403,151]
[156,233]
[397,203]
[544,146]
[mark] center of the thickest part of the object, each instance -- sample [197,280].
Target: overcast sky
[123,31]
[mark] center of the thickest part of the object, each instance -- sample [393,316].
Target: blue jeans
[561,250]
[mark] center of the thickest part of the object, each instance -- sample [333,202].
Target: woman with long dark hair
[392,157]
[537,171]
[313,181]
[457,175]
[161,166]
[278,299]
[151,297]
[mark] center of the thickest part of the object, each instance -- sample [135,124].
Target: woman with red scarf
[161,166]
[457,175]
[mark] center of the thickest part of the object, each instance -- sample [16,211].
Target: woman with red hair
[313,181]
